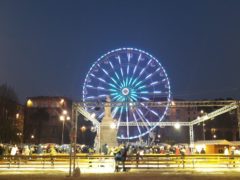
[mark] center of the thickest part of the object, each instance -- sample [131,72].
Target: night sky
[47,47]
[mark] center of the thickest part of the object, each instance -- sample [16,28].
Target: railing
[132,162]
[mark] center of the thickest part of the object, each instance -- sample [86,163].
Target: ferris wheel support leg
[191,135]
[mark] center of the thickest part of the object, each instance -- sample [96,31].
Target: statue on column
[107,108]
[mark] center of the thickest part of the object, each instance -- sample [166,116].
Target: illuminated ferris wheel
[128,75]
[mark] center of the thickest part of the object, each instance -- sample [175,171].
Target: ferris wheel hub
[125,91]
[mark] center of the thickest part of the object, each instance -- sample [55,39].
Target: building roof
[47,97]
[235,143]
[214,142]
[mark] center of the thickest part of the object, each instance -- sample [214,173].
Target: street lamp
[64,117]
[83,128]
[93,115]
[177,125]
[32,138]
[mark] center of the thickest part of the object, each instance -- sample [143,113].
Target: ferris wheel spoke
[106,83]
[101,115]
[143,118]
[135,119]
[140,74]
[127,82]
[152,93]
[116,108]
[145,86]
[102,80]
[144,69]
[102,95]
[142,92]
[116,97]
[90,97]
[150,110]
[120,64]
[130,80]
[120,116]
[150,75]
[129,56]
[144,98]
[127,121]
[92,75]
[137,84]
[116,74]
[154,83]
[116,83]
[139,110]
[115,112]
[113,86]
[135,67]
[134,94]
[133,98]
[97,88]
[140,88]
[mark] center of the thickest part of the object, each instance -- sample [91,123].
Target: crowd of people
[120,153]
[9,149]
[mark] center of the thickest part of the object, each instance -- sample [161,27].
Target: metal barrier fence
[132,161]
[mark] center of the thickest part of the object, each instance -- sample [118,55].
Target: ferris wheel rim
[159,64]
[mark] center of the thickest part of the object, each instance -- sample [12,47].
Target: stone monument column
[108,132]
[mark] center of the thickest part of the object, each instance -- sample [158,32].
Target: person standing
[105,149]
[124,151]
[117,157]
[13,153]
[14,150]
[203,151]
[53,153]
[1,150]
[226,151]
[26,153]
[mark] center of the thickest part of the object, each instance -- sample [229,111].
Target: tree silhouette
[8,110]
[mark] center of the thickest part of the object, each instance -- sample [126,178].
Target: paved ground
[187,174]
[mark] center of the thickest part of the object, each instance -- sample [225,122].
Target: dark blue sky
[47,47]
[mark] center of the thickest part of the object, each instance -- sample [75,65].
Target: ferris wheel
[133,76]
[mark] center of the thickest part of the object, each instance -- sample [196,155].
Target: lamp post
[203,125]
[20,137]
[64,117]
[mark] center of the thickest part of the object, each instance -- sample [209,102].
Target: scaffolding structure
[223,107]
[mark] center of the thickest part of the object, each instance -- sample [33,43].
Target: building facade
[224,126]
[47,120]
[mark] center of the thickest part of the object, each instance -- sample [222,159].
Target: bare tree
[8,110]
